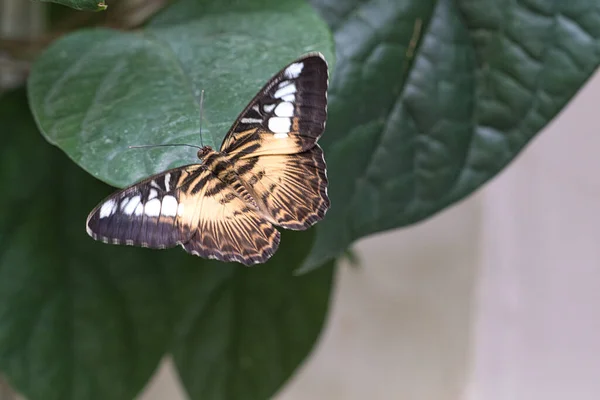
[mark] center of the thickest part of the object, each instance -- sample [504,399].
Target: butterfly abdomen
[228,174]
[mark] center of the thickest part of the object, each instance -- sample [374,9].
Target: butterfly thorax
[204,151]
[219,164]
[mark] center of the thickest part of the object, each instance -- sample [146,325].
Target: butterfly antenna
[201,112]
[143,146]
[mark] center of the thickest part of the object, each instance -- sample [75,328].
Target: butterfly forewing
[287,116]
[150,213]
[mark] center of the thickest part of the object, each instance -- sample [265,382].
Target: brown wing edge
[320,203]
[323,183]
[203,246]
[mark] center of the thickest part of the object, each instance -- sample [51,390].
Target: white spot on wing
[250,120]
[139,210]
[107,208]
[124,203]
[280,124]
[169,206]
[284,109]
[280,135]
[167,182]
[131,206]
[268,107]
[289,98]
[294,70]
[152,208]
[289,89]
[153,194]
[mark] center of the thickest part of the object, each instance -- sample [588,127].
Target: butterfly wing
[290,189]
[273,144]
[188,206]
[230,228]
[152,213]
[287,115]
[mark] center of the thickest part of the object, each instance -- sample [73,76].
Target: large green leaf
[77,320]
[242,332]
[95,92]
[415,128]
[87,5]
[83,320]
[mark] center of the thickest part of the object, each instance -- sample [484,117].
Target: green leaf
[83,320]
[96,92]
[78,320]
[455,90]
[242,332]
[85,5]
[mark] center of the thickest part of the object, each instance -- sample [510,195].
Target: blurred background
[495,298]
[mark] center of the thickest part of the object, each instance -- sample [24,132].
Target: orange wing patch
[258,142]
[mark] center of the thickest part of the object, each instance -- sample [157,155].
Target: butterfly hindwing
[290,188]
[230,228]
[286,116]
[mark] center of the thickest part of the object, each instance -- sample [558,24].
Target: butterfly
[268,172]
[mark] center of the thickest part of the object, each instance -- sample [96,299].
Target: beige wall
[495,298]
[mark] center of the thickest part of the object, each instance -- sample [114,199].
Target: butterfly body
[269,171]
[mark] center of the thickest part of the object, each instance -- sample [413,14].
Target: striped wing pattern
[288,114]
[238,233]
[291,189]
[269,172]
